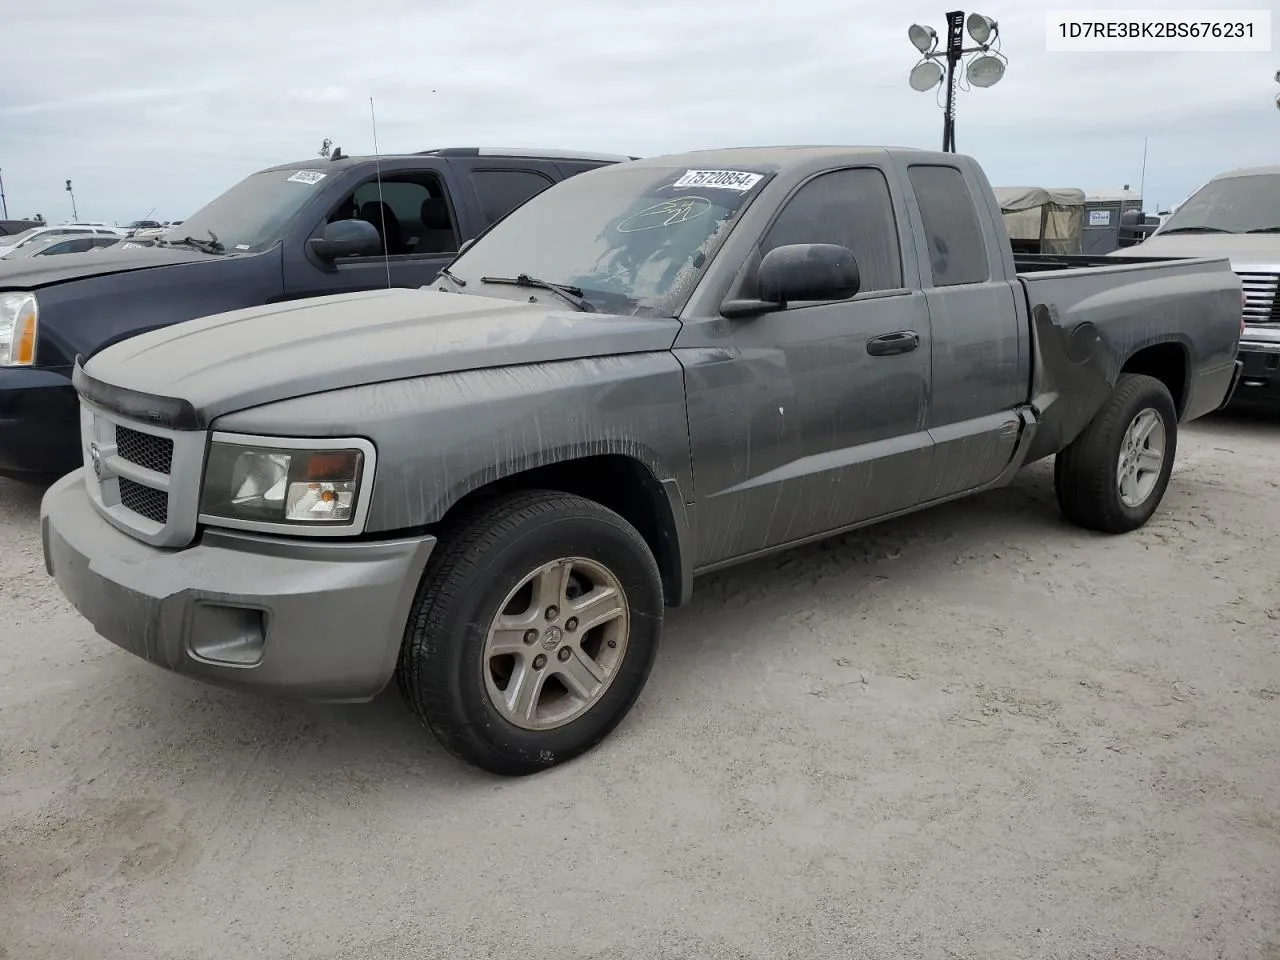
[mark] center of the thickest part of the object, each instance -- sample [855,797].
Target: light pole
[74,214]
[981,71]
[4,205]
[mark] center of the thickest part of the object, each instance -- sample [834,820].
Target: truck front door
[417,219]
[815,419]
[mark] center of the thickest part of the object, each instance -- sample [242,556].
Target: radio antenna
[1142,177]
[382,207]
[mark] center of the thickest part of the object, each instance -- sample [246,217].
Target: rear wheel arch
[1168,361]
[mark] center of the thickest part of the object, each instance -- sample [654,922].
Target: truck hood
[1242,249]
[31,273]
[245,358]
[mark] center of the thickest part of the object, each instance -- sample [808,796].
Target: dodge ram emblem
[95,455]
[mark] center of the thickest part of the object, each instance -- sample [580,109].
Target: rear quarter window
[957,250]
[501,191]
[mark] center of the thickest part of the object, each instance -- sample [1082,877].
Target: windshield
[34,247]
[251,216]
[632,239]
[1248,204]
[17,238]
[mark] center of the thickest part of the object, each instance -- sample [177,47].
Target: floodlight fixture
[982,29]
[926,75]
[924,39]
[984,71]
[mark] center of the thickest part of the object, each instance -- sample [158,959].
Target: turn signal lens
[24,341]
[18,322]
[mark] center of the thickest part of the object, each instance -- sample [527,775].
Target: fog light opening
[235,636]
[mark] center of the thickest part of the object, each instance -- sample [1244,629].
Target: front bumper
[1260,374]
[39,422]
[288,618]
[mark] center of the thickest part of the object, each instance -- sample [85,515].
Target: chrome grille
[144,501]
[145,449]
[1260,301]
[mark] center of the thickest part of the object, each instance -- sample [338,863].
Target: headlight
[17,329]
[261,483]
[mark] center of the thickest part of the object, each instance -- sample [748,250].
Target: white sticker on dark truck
[738,180]
[308,176]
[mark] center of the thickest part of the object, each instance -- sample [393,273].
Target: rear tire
[533,632]
[1113,476]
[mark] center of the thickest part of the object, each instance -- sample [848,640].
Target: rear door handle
[892,344]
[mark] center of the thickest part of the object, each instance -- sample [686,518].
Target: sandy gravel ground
[972,733]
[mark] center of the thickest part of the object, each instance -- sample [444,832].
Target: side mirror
[346,238]
[466,245]
[800,272]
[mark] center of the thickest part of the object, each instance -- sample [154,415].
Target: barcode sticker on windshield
[308,176]
[738,180]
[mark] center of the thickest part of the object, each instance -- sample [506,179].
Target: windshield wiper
[1165,233]
[444,272]
[212,245]
[570,294]
[1265,230]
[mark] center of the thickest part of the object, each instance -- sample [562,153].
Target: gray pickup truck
[492,489]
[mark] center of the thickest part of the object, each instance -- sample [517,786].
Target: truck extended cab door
[416,209]
[979,371]
[814,417]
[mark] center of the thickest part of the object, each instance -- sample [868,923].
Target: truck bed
[1090,316]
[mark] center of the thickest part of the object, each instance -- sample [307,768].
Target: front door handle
[892,344]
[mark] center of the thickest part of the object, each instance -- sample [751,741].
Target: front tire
[1113,476]
[534,630]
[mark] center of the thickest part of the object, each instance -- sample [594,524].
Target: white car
[11,243]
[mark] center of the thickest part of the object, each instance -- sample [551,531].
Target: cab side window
[957,252]
[411,213]
[852,208]
[501,191]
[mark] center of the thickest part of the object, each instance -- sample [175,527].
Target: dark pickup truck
[492,489]
[299,230]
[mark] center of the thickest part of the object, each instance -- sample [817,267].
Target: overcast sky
[159,105]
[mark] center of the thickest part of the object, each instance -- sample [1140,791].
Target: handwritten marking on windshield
[665,214]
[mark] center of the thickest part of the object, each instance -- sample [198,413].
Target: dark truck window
[77,245]
[501,191]
[956,248]
[409,211]
[849,207]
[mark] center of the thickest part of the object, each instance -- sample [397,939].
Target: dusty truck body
[491,489]
[298,230]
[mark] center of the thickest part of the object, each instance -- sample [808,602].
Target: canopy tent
[1043,220]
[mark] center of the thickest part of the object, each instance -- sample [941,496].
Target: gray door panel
[796,429]
[978,377]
